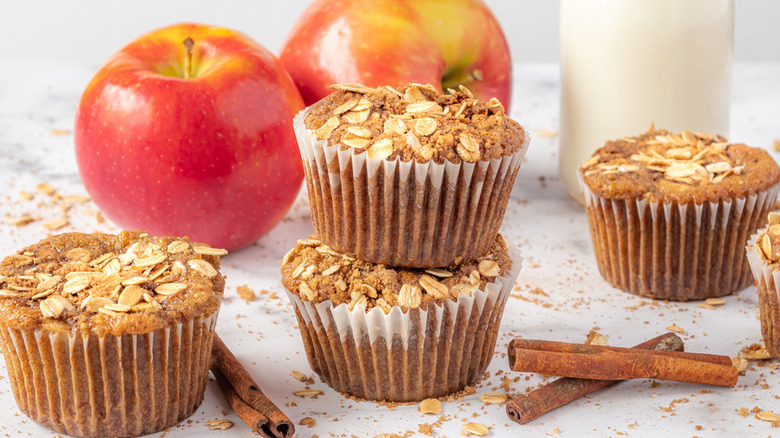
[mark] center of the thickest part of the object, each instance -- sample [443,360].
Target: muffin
[408,177]
[398,334]
[109,335]
[763,252]
[669,214]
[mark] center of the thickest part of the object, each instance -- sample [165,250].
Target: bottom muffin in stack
[398,334]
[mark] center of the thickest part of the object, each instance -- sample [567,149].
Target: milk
[627,63]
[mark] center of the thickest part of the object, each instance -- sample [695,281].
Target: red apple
[194,141]
[445,43]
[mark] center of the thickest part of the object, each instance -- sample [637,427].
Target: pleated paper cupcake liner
[404,214]
[410,356]
[767,278]
[91,386]
[673,251]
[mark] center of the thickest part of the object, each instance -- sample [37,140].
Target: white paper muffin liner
[767,278]
[405,214]
[666,250]
[90,386]
[408,356]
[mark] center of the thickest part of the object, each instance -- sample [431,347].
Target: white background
[90,31]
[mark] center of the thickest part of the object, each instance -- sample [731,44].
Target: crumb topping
[73,277]
[415,122]
[768,241]
[685,166]
[316,272]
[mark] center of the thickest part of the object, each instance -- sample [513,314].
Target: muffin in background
[398,334]
[763,253]
[109,335]
[669,214]
[408,177]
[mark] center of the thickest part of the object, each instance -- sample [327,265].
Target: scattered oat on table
[45,189]
[595,338]
[308,422]
[219,424]
[307,393]
[740,364]
[56,224]
[430,406]
[675,328]
[20,221]
[494,398]
[477,429]
[755,352]
[246,293]
[768,416]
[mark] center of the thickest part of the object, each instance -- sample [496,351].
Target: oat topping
[137,273]
[768,241]
[660,162]
[315,272]
[414,123]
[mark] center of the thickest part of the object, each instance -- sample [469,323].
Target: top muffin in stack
[433,184]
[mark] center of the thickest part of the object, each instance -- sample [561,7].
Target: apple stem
[188,43]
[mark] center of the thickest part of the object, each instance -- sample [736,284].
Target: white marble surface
[559,295]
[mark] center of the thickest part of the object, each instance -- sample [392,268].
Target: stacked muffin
[400,292]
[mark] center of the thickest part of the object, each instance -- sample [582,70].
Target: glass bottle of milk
[627,63]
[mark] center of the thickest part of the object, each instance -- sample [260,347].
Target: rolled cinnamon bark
[245,397]
[565,390]
[614,363]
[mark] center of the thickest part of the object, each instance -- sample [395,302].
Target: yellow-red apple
[187,131]
[445,43]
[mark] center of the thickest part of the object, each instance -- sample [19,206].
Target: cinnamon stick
[565,390]
[245,397]
[614,363]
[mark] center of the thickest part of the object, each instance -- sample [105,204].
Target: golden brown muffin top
[315,272]
[415,122]
[661,166]
[109,284]
[768,241]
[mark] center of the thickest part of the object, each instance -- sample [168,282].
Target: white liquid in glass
[626,63]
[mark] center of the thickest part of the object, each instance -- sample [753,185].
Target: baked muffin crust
[316,273]
[129,283]
[685,167]
[768,241]
[415,122]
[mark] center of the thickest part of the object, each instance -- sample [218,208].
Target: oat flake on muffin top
[661,166]
[415,122]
